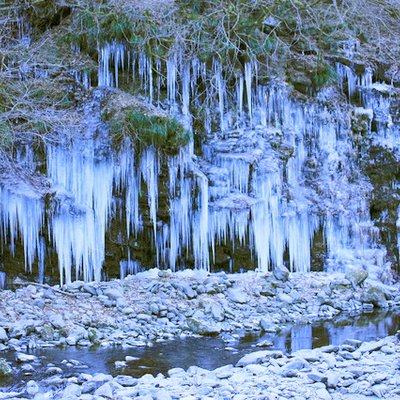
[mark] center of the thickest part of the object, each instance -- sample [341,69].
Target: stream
[206,352]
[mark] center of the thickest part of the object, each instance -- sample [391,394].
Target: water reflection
[365,327]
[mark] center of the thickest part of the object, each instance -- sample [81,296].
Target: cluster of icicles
[239,191]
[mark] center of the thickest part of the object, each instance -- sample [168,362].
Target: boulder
[104,390]
[113,293]
[332,379]
[72,390]
[258,357]
[3,335]
[237,295]
[268,289]
[296,364]
[356,276]
[22,358]
[281,273]
[203,327]
[57,321]
[5,368]
[374,296]
[217,311]
[32,388]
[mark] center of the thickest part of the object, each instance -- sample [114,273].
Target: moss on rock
[127,116]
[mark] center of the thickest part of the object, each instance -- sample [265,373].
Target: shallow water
[209,352]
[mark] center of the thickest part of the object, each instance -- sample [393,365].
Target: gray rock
[332,379]
[202,327]
[217,311]
[224,372]
[128,310]
[164,274]
[113,293]
[281,273]
[162,394]
[89,387]
[380,390]
[120,364]
[317,377]
[374,296]
[292,368]
[72,390]
[28,369]
[125,380]
[371,346]
[237,295]
[154,308]
[5,368]
[258,357]
[53,371]
[3,335]
[285,298]
[308,355]
[22,358]
[187,290]
[77,333]
[143,317]
[32,388]
[57,321]
[268,289]
[267,325]
[47,332]
[356,276]
[176,371]
[323,394]
[89,289]
[340,284]
[265,343]
[104,390]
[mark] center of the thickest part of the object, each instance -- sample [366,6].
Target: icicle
[366,79]
[21,215]
[239,99]
[150,73]
[200,227]
[346,74]
[104,66]
[248,78]
[186,92]
[149,170]
[80,224]
[3,280]
[171,79]
[221,92]
[158,74]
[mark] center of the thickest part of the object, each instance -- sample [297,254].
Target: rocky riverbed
[159,305]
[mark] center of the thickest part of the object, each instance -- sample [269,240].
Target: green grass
[163,132]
